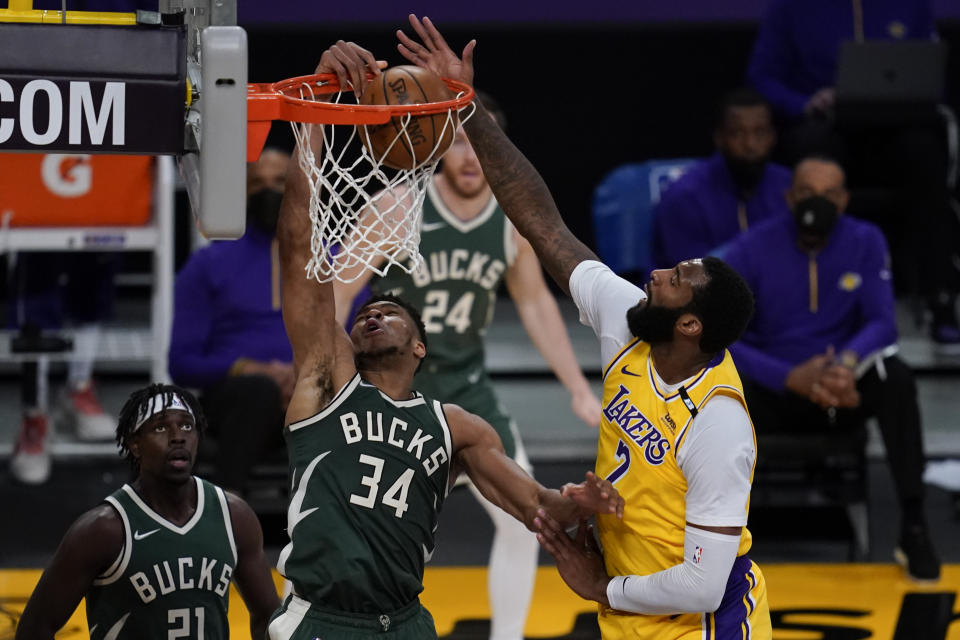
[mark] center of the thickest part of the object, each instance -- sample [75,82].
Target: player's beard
[368,360]
[653,324]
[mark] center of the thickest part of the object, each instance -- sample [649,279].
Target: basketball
[408,84]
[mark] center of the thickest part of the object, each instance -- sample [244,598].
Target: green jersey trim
[163,521]
[228,521]
[338,399]
[463,226]
[116,570]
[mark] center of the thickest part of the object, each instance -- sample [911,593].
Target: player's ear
[419,349]
[133,446]
[689,325]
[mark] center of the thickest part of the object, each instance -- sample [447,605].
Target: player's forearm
[544,324]
[525,198]
[696,585]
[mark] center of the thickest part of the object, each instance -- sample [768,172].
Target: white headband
[155,406]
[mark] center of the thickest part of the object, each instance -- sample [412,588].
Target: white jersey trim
[338,399]
[463,226]
[115,570]
[227,521]
[163,521]
[285,625]
[447,441]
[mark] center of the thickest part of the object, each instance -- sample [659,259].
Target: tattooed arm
[516,184]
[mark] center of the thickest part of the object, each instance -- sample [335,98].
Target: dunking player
[156,560]
[469,249]
[371,459]
[675,433]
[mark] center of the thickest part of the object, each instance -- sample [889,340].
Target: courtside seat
[816,470]
[623,205]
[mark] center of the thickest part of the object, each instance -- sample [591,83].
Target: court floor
[807,601]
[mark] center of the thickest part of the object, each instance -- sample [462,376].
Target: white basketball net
[365,215]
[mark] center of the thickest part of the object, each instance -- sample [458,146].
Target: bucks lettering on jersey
[369,476]
[455,286]
[168,581]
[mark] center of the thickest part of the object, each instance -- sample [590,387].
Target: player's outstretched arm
[252,573]
[518,187]
[479,452]
[322,354]
[88,548]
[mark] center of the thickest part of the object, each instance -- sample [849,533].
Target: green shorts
[297,619]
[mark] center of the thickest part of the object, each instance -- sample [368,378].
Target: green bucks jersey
[369,476]
[168,581]
[454,288]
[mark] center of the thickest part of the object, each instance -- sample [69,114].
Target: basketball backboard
[170,82]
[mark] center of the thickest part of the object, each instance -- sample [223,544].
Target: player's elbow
[709,598]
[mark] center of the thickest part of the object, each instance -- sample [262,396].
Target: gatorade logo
[67,176]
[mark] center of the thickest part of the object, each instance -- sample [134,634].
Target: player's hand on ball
[595,495]
[434,53]
[579,560]
[350,62]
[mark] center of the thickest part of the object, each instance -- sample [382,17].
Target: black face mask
[746,174]
[815,216]
[263,209]
[653,324]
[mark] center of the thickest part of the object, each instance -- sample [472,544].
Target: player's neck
[389,381]
[464,207]
[175,502]
[676,362]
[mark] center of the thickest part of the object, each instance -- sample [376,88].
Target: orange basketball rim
[300,100]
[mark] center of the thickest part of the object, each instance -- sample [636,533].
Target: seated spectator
[50,290]
[819,353]
[228,338]
[794,64]
[727,193]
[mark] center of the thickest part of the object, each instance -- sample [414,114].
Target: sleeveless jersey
[455,290]
[369,476]
[641,430]
[168,581]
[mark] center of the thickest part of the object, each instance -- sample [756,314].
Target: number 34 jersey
[369,476]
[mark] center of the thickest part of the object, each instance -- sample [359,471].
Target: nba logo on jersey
[697,552]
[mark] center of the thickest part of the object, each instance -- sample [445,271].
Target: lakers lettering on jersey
[644,425]
[370,474]
[169,581]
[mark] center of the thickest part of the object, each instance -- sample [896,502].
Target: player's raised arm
[517,186]
[322,353]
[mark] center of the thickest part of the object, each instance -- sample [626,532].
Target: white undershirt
[718,451]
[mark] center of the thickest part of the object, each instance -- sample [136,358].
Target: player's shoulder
[466,428]
[98,527]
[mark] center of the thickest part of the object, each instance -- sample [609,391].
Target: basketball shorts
[297,619]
